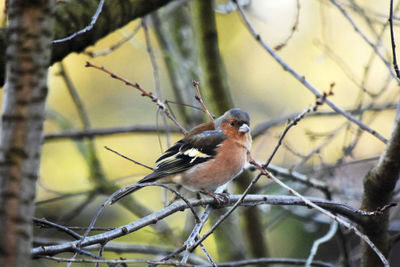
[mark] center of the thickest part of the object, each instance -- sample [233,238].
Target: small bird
[210,155]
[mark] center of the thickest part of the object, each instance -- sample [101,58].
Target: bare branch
[114,46]
[293,29]
[249,200]
[200,99]
[87,28]
[285,261]
[89,133]
[125,157]
[150,95]
[46,223]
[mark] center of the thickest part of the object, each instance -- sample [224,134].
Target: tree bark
[379,184]
[28,55]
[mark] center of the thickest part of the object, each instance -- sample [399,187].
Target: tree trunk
[379,184]
[28,57]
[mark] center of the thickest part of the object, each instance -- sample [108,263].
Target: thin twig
[125,157]
[101,250]
[156,77]
[89,133]
[395,66]
[150,95]
[203,248]
[116,45]
[62,197]
[293,29]
[329,235]
[45,223]
[200,99]
[87,28]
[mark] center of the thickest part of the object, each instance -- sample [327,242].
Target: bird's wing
[186,153]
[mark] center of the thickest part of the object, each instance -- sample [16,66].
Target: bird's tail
[152,177]
[126,191]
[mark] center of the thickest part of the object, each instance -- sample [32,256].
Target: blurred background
[313,37]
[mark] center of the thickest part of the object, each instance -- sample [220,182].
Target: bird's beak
[244,128]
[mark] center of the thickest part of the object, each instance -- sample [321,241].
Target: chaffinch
[210,155]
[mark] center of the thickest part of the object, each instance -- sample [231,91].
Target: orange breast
[224,167]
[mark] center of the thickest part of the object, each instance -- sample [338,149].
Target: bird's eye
[232,123]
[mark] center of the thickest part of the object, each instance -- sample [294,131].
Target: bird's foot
[221,198]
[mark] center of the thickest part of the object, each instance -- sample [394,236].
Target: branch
[89,133]
[121,247]
[132,160]
[258,261]
[112,262]
[87,28]
[249,200]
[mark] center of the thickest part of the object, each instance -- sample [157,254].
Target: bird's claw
[221,198]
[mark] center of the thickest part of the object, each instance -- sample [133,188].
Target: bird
[207,157]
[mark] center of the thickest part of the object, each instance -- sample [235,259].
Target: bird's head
[234,121]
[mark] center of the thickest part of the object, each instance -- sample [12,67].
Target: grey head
[241,116]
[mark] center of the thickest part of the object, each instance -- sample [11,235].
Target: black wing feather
[178,158]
